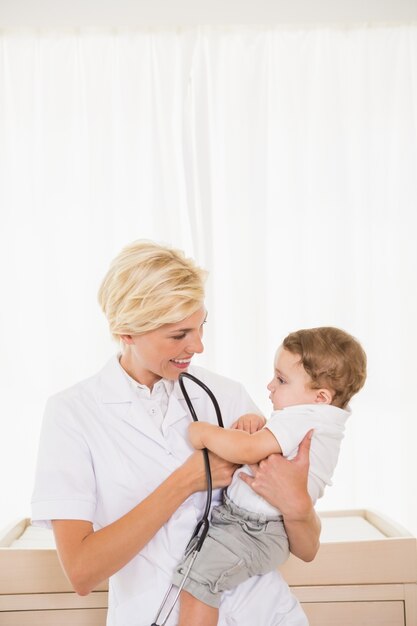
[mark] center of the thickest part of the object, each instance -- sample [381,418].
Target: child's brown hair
[332,358]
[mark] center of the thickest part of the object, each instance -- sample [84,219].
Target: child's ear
[324,396]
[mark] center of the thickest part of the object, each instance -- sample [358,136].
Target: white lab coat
[100,454]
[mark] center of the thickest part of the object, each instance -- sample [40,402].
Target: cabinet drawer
[72,617]
[355,613]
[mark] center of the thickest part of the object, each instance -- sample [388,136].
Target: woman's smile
[149,357]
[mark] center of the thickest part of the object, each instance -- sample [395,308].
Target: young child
[317,371]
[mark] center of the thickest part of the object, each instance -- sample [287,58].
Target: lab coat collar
[114,386]
[115,389]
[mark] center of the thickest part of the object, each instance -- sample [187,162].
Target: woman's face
[164,352]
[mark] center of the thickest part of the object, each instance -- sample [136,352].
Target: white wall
[109,13]
[134,13]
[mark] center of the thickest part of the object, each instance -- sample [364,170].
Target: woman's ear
[127,339]
[324,396]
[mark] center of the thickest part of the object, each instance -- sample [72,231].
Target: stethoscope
[200,531]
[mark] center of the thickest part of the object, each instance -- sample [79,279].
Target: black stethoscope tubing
[201,529]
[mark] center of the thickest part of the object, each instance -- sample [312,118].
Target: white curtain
[283,159]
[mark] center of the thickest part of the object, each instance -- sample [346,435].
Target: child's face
[291,383]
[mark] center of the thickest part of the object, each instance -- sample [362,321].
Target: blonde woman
[117,479]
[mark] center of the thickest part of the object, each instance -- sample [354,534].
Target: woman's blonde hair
[332,358]
[149,285]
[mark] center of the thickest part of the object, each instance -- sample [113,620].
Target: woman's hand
[221,471]
[250,423]
[283,484]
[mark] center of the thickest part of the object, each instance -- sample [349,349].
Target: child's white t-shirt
[289,426]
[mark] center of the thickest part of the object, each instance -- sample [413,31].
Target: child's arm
[236,446]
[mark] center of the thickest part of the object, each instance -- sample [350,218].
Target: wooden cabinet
[54,617]
[33,588]
[365,574]
[364,613]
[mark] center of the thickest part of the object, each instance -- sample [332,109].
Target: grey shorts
[238,545]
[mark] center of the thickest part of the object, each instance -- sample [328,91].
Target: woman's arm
[90,557]
[237,446]
[283,484]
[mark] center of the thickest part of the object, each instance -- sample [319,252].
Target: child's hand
[195,433]
[249,422]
